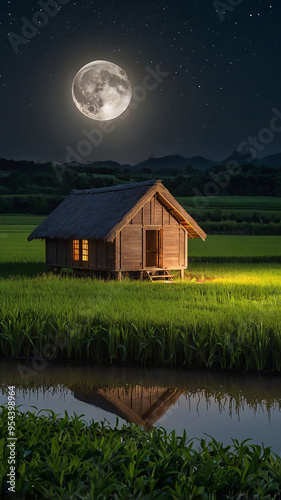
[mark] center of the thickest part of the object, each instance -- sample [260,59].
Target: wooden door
[154,245]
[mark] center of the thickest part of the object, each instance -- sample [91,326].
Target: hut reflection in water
[139,405]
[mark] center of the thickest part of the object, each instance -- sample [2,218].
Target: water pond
[222,405]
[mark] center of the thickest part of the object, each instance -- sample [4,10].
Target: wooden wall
[59,253]
[131,248]
[101,255]
[131,242]
[128,251]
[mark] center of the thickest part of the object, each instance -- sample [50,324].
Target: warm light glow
[85,250]
[75,249]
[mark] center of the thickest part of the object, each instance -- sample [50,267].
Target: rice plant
[65,458]
[232,322]
[223,316]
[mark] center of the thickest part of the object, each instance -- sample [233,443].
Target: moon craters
[101,90]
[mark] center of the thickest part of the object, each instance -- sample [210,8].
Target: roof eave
[194,231]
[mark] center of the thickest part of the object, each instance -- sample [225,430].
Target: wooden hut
[136,228]
[140,405]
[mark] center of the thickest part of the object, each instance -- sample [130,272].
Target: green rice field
[223,315]
[241,203]
[14,246]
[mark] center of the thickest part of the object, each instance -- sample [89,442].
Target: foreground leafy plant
[64,458]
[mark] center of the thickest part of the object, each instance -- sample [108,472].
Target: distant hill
[96,164]
[174,162]
[200,162]
[166,165]
[273,161]
[177,163]
[242,159]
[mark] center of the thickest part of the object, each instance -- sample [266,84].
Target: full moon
[101,90]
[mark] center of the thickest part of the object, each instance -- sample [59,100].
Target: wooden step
[159,275]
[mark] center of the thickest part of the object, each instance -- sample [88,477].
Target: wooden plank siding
[171,247]
[101,255]
[166,217]
[51,252]
[59,253]
[69,253]
[93,254]
[146,214]
[158,219]
[131,241]
[117,252]
[182,247]
[138,218]
[129,252]
[110,256]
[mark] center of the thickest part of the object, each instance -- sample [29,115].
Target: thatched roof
[102,213]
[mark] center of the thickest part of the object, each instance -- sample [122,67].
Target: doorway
[154,248]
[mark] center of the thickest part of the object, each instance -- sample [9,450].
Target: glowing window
[75,249]
[85,250]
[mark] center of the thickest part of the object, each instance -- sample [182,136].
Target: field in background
[252,203]
[237,215]
[233,215]
[15,249]
[219,248]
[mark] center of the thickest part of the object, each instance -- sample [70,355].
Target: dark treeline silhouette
[28,187]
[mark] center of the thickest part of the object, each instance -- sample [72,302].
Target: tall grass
[232,322]
[64,458]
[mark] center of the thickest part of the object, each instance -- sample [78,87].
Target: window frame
[80,252]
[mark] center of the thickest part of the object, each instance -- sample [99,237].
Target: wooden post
[119,275]
[182,274]
[141,276]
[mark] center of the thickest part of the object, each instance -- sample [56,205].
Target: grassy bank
[63,458]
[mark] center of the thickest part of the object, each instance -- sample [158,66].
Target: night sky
[220,78]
